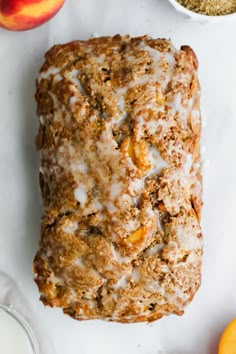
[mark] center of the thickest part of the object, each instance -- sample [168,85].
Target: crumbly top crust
[120,177]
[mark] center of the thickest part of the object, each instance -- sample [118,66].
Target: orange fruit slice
[227,343]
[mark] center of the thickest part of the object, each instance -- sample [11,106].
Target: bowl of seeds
[206,10]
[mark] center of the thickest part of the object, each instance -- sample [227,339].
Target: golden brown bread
[120,177]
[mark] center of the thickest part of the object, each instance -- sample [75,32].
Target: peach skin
[21,15]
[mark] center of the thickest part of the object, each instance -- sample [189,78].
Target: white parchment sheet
[21,55]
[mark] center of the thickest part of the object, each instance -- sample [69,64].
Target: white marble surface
[21,54]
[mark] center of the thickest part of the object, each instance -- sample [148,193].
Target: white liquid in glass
[13,338]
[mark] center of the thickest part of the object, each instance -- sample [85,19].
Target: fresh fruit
[137,235]
[138,152]
[228,340]
[20,15]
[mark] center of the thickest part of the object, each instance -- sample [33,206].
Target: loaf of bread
[120,177]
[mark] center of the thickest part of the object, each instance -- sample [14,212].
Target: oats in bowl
[210,7]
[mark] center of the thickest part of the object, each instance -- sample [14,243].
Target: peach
[20,15]
[227,343]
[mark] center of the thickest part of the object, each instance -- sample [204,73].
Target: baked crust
[120,177]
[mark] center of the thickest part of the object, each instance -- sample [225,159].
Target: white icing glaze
[121,92]
[165,268]
[128,318]
[172,251]
[96,205]
[178,107]
[175,149]
[79,262]
[179,293]
[41,119]
[155,54]
[188,241]
[170,58]
[121,283]
[154,287]
[117,256]
[106,145]
[136,200]
[135,186]
[57,78]
[152,126]
[150,212]
[52,70]
[181,108]
[124,201]
[55,280]
[155,250]
[49,252]
[192,258]
[144,80]
[188,163]
[115,297]
[73,76]
[111,208]
[121,103]
[56,105]
[156,160]
[115,189]
[80,194]
[176,293]
[100,59]
[130,226]
[135,276]
[73,100]
[70,228]
[80,167]
[195,113]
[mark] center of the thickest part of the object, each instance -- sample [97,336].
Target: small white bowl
[199,17]
[18,322]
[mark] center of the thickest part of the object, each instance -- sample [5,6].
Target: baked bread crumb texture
[120,178]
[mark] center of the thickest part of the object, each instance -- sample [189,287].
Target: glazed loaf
[120,178]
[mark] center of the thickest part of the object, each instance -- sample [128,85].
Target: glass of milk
[16,336]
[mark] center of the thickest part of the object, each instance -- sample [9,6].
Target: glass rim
[24,325]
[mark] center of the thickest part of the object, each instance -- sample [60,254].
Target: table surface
[21,55]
